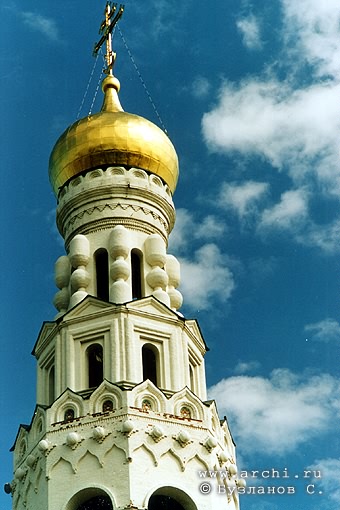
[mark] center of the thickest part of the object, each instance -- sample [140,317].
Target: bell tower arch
[90,499]
[170,498]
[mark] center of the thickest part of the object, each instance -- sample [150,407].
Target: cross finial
[106,29]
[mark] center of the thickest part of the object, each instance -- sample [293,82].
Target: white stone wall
[121,331]
[126,453]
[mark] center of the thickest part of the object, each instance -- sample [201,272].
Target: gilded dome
[109,138]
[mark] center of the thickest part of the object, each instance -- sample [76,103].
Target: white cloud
[241,197]
[329,481]
[209,228]
[250,30]
[243,367]
[206,278]
[165,18]
[290,213]
[314,28]
[292,126]
[184,225]
[201,87]
[39,23]
[294,130]
[277,414]
[326,237]
[205,271]
[187,229]
[327,330]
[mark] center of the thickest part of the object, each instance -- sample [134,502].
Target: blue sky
[249,94]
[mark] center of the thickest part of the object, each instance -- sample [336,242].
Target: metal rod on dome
[106,28]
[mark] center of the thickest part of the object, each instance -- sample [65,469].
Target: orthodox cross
[111,19]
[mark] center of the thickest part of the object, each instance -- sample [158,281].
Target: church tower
[122,419]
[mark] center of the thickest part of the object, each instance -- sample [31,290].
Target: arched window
[107,406]
[150,361]
[95,365]
[102,274]
[185,412]
[51,385]
[69,415]
[136,274]
[146,405]
[90,498]
[96,503]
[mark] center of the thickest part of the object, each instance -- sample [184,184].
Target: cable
[142,81]
[87,88]
[96,91]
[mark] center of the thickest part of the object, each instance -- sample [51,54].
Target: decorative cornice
[102,199]
[111,222]
[116,177]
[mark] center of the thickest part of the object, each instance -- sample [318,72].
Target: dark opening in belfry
[102,274]
[95,365]
[136,274]
[149,360]
[160,502]
[96,503]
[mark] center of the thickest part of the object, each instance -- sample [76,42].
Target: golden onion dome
[112,137]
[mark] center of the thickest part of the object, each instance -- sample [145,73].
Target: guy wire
[142,81]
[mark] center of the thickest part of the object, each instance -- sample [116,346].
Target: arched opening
[69,415]
[90,499]
[146,405]
[185,413]
[136,274]
[96,503]
[51,385]
[95,365]
[102,274]
[170,498]
[107,406]
[150,362]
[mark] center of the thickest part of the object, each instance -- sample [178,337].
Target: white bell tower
[122,419]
